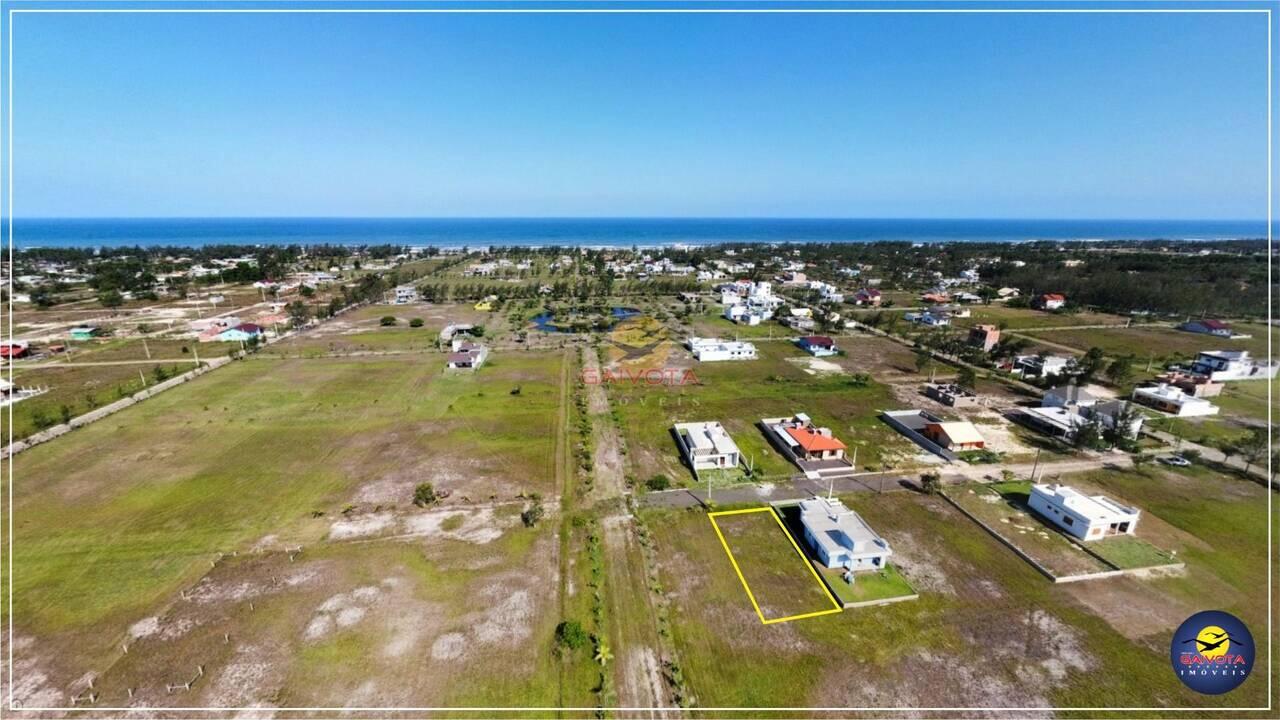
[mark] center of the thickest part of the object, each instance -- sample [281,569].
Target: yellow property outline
[826,591]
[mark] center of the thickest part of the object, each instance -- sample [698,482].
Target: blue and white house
[840,537]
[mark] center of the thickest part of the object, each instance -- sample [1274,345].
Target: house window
[1069,520]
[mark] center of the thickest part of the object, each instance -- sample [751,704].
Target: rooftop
[1091,507]
[811,438]
[837,528]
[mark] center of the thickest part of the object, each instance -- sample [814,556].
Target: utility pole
[1035,465]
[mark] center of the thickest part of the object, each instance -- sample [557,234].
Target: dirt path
[638,665]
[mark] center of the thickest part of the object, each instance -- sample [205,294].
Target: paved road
[1211,454]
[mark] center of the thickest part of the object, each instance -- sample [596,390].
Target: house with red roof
[14,349]
[1207,327]
[813,449]
[867,296]
[817,345]
[1049,301]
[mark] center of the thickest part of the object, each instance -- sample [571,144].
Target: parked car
[1176,461]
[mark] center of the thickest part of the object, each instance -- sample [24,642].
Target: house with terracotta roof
[814,449]
[1049,301]
[956,436]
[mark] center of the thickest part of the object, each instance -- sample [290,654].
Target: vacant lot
[1027,319]
[777,577]
[1159,344]
[114,521]
[739,393]
[361,330]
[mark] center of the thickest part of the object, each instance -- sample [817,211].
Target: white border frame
[1237,7]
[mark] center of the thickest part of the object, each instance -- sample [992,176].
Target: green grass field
[1098,643]
[1159,344]
[779,578]
[114,518]
[739,394]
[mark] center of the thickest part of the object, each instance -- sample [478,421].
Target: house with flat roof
[840,537]
[715,349]
[1228,365]
[1169,399]
[952,395]
[1068,396]
[1087,517]
[707,446]
[1042,365]
[984,336]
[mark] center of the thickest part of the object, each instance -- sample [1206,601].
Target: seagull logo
[1212,641]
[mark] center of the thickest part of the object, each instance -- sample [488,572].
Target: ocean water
[621,232]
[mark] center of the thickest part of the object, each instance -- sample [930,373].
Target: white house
[706,445]
[1086,517]
[840,537]
[466,355]
[406,294]
[1037,366]
[714,349]
[1222,366]
[743,315]
[1172,400]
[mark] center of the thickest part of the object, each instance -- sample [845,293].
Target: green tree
[387,321]
[424,494]
[110,298]
[1090,364]
[966,377]
[571,635]
[1253,447]
[931,482]
[1120,371]
[416,323]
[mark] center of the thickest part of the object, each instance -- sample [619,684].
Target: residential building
[466,355]
[1193,384]
[714,349]
[1083,516]
[1007,293]
[1068,396]
[935,298]
[1049,301]
[818,345]
[1207,327]
[984,336]
[706,446]
[840,537]
[1169,399]
[813,449]
[244,332]
[1042,365]
[487,303]
[1225,366]
[405,294]
[956,436]
[867,296]
[744,315]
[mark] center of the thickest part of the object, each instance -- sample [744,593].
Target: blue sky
[1069,116]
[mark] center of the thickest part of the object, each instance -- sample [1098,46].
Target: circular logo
[1212,652]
